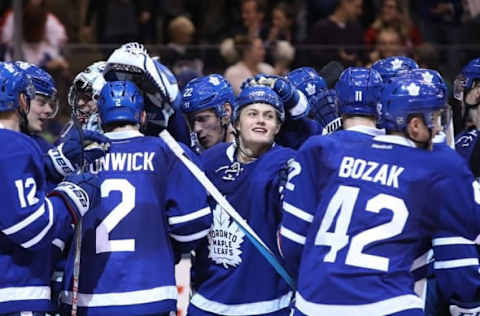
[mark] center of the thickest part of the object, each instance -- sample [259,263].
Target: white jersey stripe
[254,308]
[297,212]
[287,233]
[122,298]
[27,221]
[385,307]
[42,234]
[457,263]
[189,217]
[192,237]
[444,241]
[24,293]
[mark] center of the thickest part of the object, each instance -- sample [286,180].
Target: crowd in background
[240,38]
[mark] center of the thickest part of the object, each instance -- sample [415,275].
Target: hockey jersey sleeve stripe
[287,233]
[457,263]
[256,308]
[192,237]
[25,222]
[22,293]
[42,234]
[385,307]
[189,217]
[297,212]
[59,243]
[124,298]
[452,241]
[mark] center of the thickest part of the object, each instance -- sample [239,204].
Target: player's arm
[189,216]
[456,263]
[31,219]
[301,195]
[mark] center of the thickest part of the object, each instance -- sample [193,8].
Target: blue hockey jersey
[466,144]
[148,198]
[364,213]
[230,276]
[29,224]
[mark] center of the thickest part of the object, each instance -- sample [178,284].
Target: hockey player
[368,210]
[208,104]
[230,276]
[162,96]
[44,106]
[148,202]
[322,100]
[83,95]
[358,94]
[467,91]
[33,220]
[394,66]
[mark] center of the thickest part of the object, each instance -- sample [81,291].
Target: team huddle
[302,195]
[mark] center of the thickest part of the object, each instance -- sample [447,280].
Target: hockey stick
[78,230]
[223,202]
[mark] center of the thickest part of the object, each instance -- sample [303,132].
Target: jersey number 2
[343,201]
[127,204]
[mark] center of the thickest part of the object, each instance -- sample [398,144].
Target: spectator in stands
[43,37]
[342,31]
[393,17]
[283,54]
[178,54]
[252,53]
[283,19]
[117,21]
[389,43]
[253,16]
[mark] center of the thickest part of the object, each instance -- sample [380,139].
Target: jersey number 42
[343,204]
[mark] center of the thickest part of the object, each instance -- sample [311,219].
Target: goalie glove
[132,62]
[80,192]
[66,158]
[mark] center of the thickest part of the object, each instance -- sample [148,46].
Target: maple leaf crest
[224,239]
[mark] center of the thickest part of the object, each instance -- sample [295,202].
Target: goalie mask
[85,90]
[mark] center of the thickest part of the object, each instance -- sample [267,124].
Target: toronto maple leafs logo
[214,81]
[224,239]
[310,89]
[413,89]
[230,172]
[396,64]
[427,77]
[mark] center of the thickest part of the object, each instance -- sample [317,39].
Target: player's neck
[124,128]
[349,122]
[10,121]
[247,153]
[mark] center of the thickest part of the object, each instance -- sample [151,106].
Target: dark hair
[34,22]
[260,5]
[242,44]
[287,10]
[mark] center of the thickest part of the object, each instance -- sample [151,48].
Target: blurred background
[194,37]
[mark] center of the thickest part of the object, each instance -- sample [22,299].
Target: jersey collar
[367,130]
[123,134]
[395,139]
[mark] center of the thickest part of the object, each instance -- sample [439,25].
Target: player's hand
[323,108]
[66,158]
[80,192]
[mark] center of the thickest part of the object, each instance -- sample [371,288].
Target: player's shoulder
[217,154]
[449,162]
[467,138]
[16,142]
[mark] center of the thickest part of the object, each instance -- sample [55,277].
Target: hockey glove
[66,158]
[80,192]
[324,110]
[294,101]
